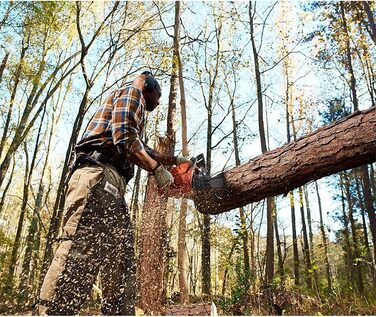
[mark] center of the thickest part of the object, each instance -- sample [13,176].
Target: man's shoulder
[128,91]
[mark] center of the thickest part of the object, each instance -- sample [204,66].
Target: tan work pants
[97,236]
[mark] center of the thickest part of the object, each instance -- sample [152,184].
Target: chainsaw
[189,177]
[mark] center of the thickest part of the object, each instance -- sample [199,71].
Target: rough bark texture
[345,144]
[152,246]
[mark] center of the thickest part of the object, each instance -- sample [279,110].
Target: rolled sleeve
[127,121]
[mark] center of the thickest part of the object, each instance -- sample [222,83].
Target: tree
[324,240]
[356,253]
[269,201]
[182,252]
[296,163]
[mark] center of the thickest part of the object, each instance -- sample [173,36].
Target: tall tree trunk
[371,19]
[367,194]
[349,259]
[349,63]
[243,221]
[343,145]
[153,235]
[290,122]
[372,180]
[294,239]
[365,229]
[205,234]
[269,212]
[356,263]
[182,247]
[324,240]
[279,250]
[306,251]
[310,234]
[152,249]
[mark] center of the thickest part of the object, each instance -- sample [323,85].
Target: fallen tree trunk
[347,143]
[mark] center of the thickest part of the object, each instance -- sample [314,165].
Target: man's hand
[163,177]
[183,159]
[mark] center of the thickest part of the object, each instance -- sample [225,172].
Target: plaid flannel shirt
[117,125]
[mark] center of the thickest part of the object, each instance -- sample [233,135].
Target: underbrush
[295,302]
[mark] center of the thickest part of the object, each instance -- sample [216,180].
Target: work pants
[97,236]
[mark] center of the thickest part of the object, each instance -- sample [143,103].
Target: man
[97,234]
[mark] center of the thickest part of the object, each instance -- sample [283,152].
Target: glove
[183,159]
[163,177]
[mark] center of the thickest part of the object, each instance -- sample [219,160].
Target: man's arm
[142,159]
[160,158]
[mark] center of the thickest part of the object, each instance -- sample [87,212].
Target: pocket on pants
[82,183]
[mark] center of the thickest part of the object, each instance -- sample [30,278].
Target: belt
[98,157]
[123,167]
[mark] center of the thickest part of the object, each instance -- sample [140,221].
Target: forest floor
[287,303]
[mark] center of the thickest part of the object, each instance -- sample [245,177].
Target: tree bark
[324,240]
[182,247]
[151,262]
[356,264]
[2,66]
[310,234]
[281,270]
[367,194]
[306,251]
[243,220]
[371,19]
[365,229]
[294,239]
[205,234]
[349,259]
[349,62]
[269,204]
[345,144]
[373,183]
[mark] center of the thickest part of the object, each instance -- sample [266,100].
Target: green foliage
[335,110]
[240,291]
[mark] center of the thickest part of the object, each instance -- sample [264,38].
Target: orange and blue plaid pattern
[118,122]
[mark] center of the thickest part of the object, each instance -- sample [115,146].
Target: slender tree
[324,240]
[269,201]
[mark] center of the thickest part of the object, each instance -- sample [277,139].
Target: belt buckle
[96,155]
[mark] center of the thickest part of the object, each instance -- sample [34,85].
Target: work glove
[183,159]
[163,177]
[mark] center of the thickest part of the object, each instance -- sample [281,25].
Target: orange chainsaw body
[183,175]
[182,185]
[191,176]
